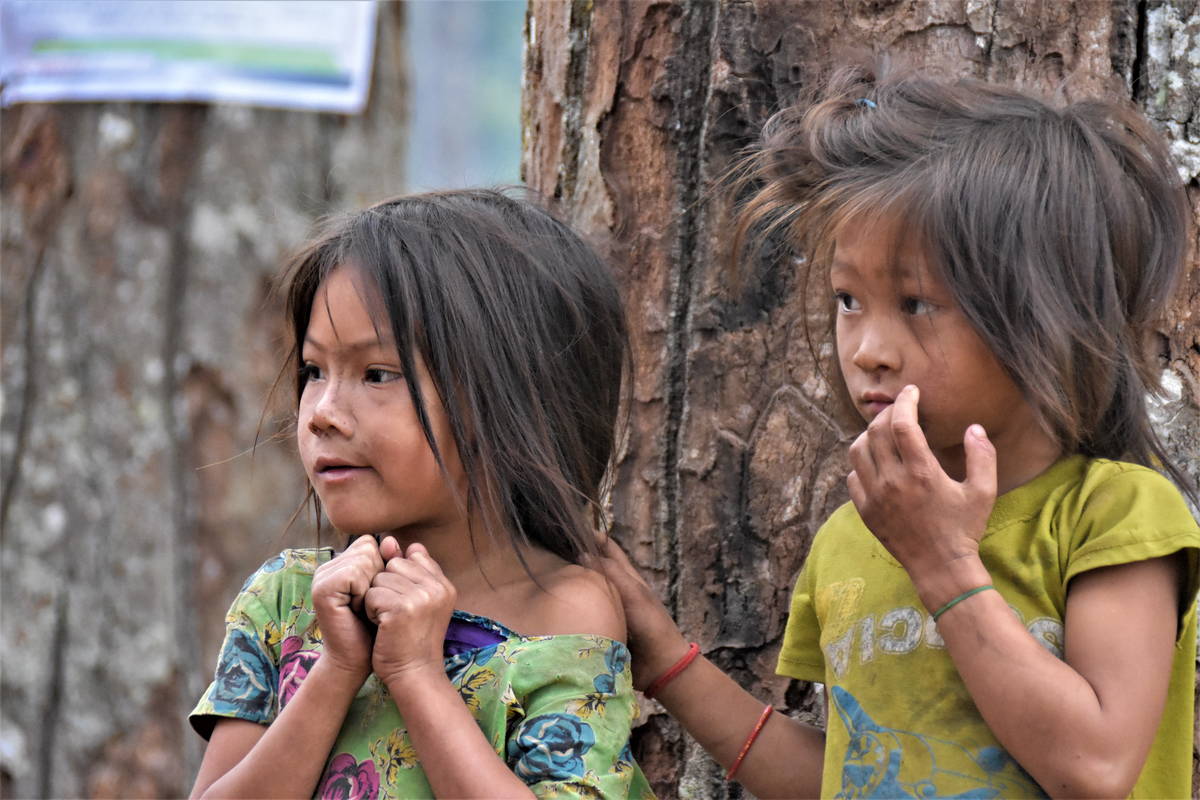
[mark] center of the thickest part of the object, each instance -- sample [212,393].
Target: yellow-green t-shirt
[901,722]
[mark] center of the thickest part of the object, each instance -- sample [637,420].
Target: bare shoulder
[574,599]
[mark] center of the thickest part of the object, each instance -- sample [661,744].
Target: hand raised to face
[925,518]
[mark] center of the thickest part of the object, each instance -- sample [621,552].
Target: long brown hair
[523,331]
[1061,231]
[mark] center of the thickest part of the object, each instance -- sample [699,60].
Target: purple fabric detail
[464,635]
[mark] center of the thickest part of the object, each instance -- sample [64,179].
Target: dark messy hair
[1061,231]
[522,328]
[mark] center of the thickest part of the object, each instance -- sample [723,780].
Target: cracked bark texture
[138,241]
[735,452]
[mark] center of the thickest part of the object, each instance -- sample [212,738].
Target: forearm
[446,736]
[784,761]
[1042,710]
[288,759]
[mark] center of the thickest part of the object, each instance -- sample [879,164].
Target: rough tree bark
[735,452]
[138,242]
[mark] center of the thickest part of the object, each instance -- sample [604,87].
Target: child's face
[357,429]
[898,324]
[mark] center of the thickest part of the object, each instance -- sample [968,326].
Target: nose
[879,346]
[330,410]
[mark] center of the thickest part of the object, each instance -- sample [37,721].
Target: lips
[331,469]
[875,402]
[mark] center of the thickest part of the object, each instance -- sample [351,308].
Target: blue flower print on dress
[274,565]
[245,680]
[615,659]
[605,683]
[550,747]
[886,762]
[458,666]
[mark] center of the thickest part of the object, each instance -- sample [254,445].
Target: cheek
[843,343]
[304,437]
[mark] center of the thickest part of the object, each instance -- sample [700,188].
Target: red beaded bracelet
[670,675]
[762,720]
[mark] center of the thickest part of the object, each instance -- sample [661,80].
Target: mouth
[331,469]
[874,403]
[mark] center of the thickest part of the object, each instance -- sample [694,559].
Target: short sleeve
[573,738]
[1132,514]
[800,656]
[247,675]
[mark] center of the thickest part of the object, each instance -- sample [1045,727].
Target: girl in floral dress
[458,360]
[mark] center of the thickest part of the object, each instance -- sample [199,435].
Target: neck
[492,556]
[1020,457]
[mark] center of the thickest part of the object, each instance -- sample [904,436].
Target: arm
[410,602]
[787,756]
[285,758]
[1079,727]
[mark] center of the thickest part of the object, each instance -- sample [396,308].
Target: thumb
[389,548]
[981,461]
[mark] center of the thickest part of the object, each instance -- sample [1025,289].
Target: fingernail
[978,432]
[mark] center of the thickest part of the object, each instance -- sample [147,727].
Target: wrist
[338,677]
[414,679]
[950,580]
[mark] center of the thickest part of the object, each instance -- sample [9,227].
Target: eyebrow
[362,344]
[901,270]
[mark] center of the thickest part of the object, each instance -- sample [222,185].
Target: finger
[861,460]
[396,582]
[417,554]
[857,495]
[981,462]
[910,440]
[410,570]
[389,548]
[616,557]
[376,601]
[407,593]
[365,550]
[362,543]
[881,442]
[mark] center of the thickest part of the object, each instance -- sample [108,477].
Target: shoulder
[292,562]
[1120,491]
[1121,513]
[283,579]
[575,600]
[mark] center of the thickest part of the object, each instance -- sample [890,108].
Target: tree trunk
[138,347]
[734,455]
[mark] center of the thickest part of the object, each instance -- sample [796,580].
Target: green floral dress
[557,709]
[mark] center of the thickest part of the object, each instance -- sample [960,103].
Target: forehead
[346,307]
[879,246]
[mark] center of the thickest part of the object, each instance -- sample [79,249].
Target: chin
[354,525]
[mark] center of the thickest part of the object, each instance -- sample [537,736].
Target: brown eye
[915,306]
[381,375]
[309,372]
[846,302]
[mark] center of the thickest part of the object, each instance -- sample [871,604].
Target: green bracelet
[960,598]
